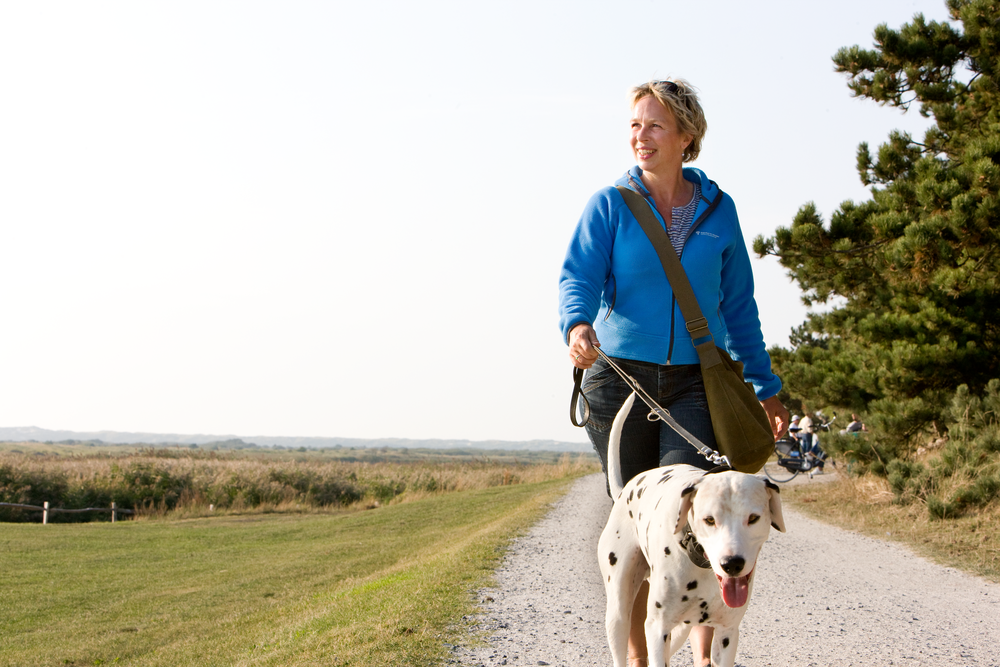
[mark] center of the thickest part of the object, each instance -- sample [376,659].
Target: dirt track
[822,596]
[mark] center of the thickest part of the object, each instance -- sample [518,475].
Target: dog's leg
[617,621]
[724,646]
[678,636]
[657,636]
[621,585]
[658,630]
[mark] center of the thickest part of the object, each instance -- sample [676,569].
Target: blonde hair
[678,97]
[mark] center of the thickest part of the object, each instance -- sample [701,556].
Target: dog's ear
[687,499]
[774,505]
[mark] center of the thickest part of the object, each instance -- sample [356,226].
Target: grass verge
[380,587]
[867,504]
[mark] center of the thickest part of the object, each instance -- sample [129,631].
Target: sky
[347,219]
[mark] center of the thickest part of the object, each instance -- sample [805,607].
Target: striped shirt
[681,219]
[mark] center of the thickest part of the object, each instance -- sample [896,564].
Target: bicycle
[792,460]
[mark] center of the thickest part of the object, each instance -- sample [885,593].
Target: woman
[613,294]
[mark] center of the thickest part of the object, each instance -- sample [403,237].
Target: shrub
[908,479]
[963,474]
[30,485]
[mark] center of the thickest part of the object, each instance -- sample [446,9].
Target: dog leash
[657,412]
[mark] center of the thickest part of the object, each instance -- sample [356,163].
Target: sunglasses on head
[669,85]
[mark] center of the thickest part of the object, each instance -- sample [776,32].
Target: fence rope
[46,510]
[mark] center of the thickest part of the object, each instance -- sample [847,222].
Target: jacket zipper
[673,299]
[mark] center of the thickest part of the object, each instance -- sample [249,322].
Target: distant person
[612,289]
[855,425]
[810,440]
[806,430]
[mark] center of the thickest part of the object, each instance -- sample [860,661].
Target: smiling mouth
[644,152]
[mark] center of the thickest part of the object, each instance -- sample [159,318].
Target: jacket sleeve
[739,308]
[587,264]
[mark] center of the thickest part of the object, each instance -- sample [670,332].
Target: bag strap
[696,323]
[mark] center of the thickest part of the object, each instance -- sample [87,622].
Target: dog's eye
[754,518]
[710,520]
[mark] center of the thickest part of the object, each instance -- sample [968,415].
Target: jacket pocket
[598,376]
[614,294]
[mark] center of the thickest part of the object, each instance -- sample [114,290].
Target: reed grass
[193,483]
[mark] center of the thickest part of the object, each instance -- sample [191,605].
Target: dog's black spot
[638,482]
[704,604]
[771,485]
[684,598]
[666,638]
[629,499]
[612,558]
[638,496]
[690,489]
[659,606]
[693,585]
[666,551]
[687,622]
[665,478]
[725,642]
[630,514]
[704,617]
[639,518]
[775,526]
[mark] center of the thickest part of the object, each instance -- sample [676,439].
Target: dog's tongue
[735,590]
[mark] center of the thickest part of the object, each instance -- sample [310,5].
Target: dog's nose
[733,565]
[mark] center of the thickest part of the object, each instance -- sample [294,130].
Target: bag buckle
[698,324]
[695,324]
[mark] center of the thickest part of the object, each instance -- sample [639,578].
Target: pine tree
[916,266]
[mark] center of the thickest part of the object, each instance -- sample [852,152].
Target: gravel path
[822,596]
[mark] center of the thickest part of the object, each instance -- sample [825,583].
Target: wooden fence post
[45,512]
[112,512]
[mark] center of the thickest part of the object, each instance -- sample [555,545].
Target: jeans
[645,444]
[810,445]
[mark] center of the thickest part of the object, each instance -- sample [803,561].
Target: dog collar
[694,550]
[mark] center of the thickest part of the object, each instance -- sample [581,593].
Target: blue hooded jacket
[613,279]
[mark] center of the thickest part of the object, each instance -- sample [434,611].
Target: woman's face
[656,142]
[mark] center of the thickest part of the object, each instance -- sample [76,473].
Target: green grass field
[379,587]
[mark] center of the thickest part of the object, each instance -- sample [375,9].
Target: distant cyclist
[810,441]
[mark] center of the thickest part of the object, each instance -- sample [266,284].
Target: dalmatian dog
[695,537]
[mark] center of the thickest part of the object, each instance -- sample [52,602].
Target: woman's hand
[777,416]
[583,347]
